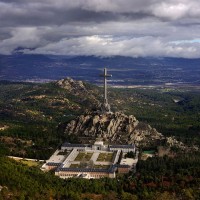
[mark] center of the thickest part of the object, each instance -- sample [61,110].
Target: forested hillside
[156,179]
[32,117]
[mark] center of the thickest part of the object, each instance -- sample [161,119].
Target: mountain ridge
[134,71]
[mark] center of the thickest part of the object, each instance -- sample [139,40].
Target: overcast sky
[101,27]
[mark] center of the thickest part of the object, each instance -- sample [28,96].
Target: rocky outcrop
[172,142]
[114,128]
[79,89]
[75,87]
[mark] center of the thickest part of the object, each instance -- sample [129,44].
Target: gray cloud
[102,28]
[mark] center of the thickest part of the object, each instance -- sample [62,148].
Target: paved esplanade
[106,106]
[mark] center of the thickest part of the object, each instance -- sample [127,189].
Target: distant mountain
[125,70]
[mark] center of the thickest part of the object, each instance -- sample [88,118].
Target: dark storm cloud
[106,27]
[37,14]
[47,18]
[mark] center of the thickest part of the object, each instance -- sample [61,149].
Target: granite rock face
[114,128]
[72,86]
[80,90]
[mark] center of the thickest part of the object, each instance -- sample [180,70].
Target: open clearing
[30,163]
[83,156]
[105,157]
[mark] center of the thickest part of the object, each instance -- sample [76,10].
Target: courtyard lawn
[105,157]
[101,166]
[83,156]
[74,166]
[64,153]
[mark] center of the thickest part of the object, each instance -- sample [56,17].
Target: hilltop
[35,115]
[36,118]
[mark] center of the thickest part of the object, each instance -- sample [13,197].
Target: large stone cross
[106,106]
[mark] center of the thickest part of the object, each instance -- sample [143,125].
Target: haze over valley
[126,71]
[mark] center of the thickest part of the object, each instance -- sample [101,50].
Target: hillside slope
[118,128]
[33,116]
